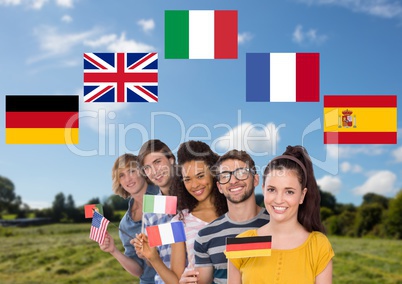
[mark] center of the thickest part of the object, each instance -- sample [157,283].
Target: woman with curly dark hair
[193,154]
[199,202]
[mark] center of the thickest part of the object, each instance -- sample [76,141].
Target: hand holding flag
[108,244]
[142,247]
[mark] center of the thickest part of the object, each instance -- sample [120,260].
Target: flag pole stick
[142,223]
[191,262]
[121,230]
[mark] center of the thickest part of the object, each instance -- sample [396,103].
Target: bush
[368,216]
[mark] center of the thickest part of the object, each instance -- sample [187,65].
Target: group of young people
[216,200]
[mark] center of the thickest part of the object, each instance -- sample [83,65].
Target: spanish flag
[41,119]
[360,119]
[248,247]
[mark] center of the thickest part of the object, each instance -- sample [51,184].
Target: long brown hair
[309,211]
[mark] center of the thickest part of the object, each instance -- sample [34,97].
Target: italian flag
[201,34]
[159,204]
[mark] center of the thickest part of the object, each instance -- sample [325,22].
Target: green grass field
[65,254]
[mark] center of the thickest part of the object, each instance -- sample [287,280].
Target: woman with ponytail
[300,252]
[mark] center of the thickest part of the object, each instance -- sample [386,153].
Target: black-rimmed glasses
[240,174]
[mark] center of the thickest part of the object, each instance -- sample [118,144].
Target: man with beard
[237,179]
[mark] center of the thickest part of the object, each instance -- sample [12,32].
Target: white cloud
[71,62]
[310,36]
[349,151]
[380,8]
[398,154]
[381,182]
[102,41]
[10,2]
[124,45]
[53,43]
[244,37]
[97,115]
[33,4]
[66,19]
[65,3]
[147,25]
[347,167]
[330,184]
[333,150]
[36,4]
[256,139]
[114,43]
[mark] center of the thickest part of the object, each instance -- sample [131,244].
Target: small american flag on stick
[98,228]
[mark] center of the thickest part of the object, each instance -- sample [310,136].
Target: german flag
[248,247]
[40,119]
[360,119]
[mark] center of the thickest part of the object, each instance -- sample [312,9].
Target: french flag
[167,233]
[282,77]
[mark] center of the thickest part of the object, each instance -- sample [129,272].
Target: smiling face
[283,194]
[237,191]
[197,179]
[158,169]
[131,180]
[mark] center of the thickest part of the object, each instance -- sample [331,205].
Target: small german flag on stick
[248,247]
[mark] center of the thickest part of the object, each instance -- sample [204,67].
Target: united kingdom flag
[121,77]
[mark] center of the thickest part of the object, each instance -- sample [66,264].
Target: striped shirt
[152,219]
[211,241]
[192,225]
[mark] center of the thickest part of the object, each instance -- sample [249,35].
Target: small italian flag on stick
[160,204]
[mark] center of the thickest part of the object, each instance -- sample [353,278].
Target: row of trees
[63,207]
[377,216]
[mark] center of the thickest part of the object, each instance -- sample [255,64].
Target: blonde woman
[129,183]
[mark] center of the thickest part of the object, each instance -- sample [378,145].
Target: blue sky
[42,45]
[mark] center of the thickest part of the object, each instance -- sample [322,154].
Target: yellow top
[299,265]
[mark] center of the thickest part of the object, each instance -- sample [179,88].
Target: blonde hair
[122,162]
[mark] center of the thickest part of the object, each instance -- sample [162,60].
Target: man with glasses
[237,179]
